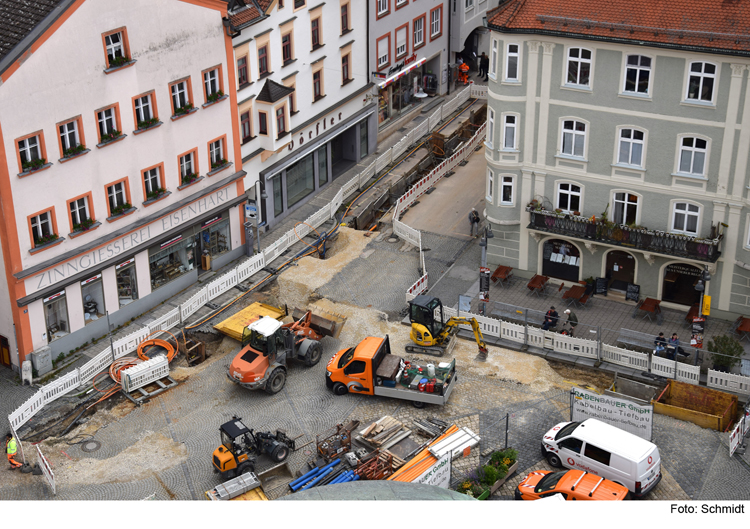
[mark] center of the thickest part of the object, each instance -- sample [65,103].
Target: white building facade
[119,164]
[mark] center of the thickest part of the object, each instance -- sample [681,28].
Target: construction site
[314,372]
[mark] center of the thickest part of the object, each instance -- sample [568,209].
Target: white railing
[241,272]
[728,381]
[46,469]
[688,373]
[624,357]
[145,373]
[663,367]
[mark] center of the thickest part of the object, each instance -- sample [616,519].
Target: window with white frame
[116,196]
[506,190]
[179,95]
[493,59]
[568,197]
[579,66]
[143,109]
[573,138]
[693,156]
[41,226]
[383,53]
[490,184]
[625,209]
[469,4]
[701,81]
[400,42]
[490,128]
[383,6]
[216,150]
[685,218]
[107,122]
[509,132]
[631,147]
[186,164]
[211,82]
[29,150]
[115,49]
[511,63]
[151,180]
[69,135]
[418,32]
[79,211]
[436,25]
[637,74]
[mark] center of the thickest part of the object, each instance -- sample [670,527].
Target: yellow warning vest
[11,448]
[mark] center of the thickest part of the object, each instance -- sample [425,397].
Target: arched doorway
[620,270]
[678,284]
[561,260]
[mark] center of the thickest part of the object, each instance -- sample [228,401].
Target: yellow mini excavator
[433,335]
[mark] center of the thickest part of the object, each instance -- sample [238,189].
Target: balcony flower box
[86,226]
[73,152]
[189,180]
[111,137]
[213,98]
[33,166]
[118,63]
[218,167]
[148,124]
[120,211]
[46,242]
[183,111]
[155,196]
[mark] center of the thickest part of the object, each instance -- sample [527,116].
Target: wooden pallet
[141,395]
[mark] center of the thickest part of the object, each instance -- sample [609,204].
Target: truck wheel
[340,389]
[314,352]
[280,453]
[418,404]
[276,381]
[554,460]
[245,467]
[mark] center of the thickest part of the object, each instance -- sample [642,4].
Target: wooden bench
[535,318]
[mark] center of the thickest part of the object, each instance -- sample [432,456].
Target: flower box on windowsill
[120,214]
[218,169]
[141,130]
[183,111]
[209,103]
[122,66]
[80,231]
[75,152]
[38,247]
[30,170]
[156,198]
[188,184]
[110,139]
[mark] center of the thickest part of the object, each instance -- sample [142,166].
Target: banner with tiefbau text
[439,474]
[624,414]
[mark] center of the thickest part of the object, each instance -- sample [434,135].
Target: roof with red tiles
[264,4]
[245,16]
[718,26]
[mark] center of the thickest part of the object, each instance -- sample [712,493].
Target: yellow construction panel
[234,325]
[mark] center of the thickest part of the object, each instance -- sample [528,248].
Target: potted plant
[121,208]
[151,195]
[67,153]
[32,165]
[147,123]
[558,211]
[726,352]
[577,213]
[219,163]
[38,241]
[184,109]
[118,61]
[215,96]
[473,486]
[106,138]
[504,463]
[84,225]
[190,177]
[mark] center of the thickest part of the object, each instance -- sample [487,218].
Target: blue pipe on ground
[341,478]
[321,476]
[315,473]
[304,477]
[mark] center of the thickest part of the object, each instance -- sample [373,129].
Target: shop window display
[56,316]
[278,201]
[322,166]
[300,180]
[92,293]
[215,238]
[171,260]
[127,286]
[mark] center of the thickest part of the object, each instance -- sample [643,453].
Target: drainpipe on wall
[448,59]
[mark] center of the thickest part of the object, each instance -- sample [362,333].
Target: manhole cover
[91,446]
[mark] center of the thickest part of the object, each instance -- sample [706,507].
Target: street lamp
[483,273]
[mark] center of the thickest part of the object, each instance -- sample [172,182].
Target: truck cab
[264,341]
[353,369]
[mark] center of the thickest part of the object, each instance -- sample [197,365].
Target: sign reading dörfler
[629,416]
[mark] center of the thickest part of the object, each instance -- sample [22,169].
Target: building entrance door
[620,270]
[4,351]
[679,284]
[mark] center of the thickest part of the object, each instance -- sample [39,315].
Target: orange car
[572,484]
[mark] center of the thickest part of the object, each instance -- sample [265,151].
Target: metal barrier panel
[419,286]
[663,367]
[95,366]
[27,410]
[49,475]
[192,305]
[129,343]
[624,357]
[512,332]
[222,284]
[746,423]
[244,271]
[535,336]
[728,381]
[575,346]
[435,118]
[383,161]
[61,386]
[144,373]
[336,203]
[169,320]
[688,373]
[479,91]
[350,187]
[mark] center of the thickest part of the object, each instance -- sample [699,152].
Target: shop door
[620,270]
[198,251]
[337,149]
[4,351]
[679,282]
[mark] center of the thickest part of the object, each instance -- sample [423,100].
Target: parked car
[599,448]
[571,485]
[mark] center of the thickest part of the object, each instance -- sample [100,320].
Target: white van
[606,451]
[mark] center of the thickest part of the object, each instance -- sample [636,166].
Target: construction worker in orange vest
[10,449]
[463,73]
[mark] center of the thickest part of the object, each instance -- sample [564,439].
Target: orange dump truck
[371,369]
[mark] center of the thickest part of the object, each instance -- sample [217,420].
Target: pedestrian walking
[550,319]
[10,449]
[484,67]
[474,223]
[572,320]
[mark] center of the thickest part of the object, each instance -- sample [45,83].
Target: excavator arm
[452,324]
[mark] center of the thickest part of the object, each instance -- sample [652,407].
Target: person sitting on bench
[660,343]
[550,319]
[674,347]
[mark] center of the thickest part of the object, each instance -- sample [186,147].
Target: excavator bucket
[322,326]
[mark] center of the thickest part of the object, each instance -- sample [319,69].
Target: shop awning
[399,75]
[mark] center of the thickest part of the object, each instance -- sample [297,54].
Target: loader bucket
[320,325]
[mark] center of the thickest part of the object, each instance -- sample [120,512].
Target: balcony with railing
[635,237]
